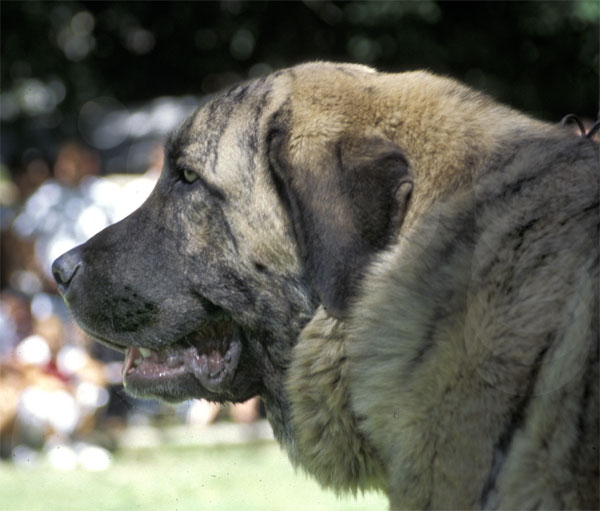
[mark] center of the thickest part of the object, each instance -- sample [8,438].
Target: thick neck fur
[327,441]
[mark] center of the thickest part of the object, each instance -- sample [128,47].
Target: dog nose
[65,268]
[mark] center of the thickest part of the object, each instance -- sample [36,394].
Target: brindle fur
[415,268]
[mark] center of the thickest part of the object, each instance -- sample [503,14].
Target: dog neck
[327,441]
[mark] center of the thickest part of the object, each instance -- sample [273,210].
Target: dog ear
[346,200]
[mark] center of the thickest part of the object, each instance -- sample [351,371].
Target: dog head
[274,197]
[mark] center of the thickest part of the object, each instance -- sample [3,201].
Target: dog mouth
[204,361]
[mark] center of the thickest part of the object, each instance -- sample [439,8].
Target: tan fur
[444,128]
[486,305]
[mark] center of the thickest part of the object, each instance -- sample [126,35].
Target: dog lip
[215,368]
[210,356]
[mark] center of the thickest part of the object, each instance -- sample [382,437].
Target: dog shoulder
[482,316]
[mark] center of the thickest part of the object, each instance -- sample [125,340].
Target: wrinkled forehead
[227,125]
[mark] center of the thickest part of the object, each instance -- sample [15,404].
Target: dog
[403,269]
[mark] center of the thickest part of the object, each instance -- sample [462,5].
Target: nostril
[64,269]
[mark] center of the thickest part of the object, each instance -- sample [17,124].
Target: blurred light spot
[91,221]
[165,113]
[429,11]
[62,457]
[8,327]
[24,456]
[32,97]
[73,207]
[139,123]
[201,412]
[23,226]
[139,40]
[91,395]
[94,458]
[75,38]
[101,123]
[162,118]
[35,97]
[76,48]
[26,282]
[37,208]
[33,350]
[110,133]
[41,306]
[82,23]
[587,11]
[242,44]
[33,407]
[71,359]
[63,412]
[104,193]
[52,191]
[260,69]
[363,49]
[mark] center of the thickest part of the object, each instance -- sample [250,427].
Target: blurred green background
[88,92]
[254,476]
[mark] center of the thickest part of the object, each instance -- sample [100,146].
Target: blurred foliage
[539,56]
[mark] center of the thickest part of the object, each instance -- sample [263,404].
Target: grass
[255,476]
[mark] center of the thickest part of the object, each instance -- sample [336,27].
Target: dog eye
[189,176]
